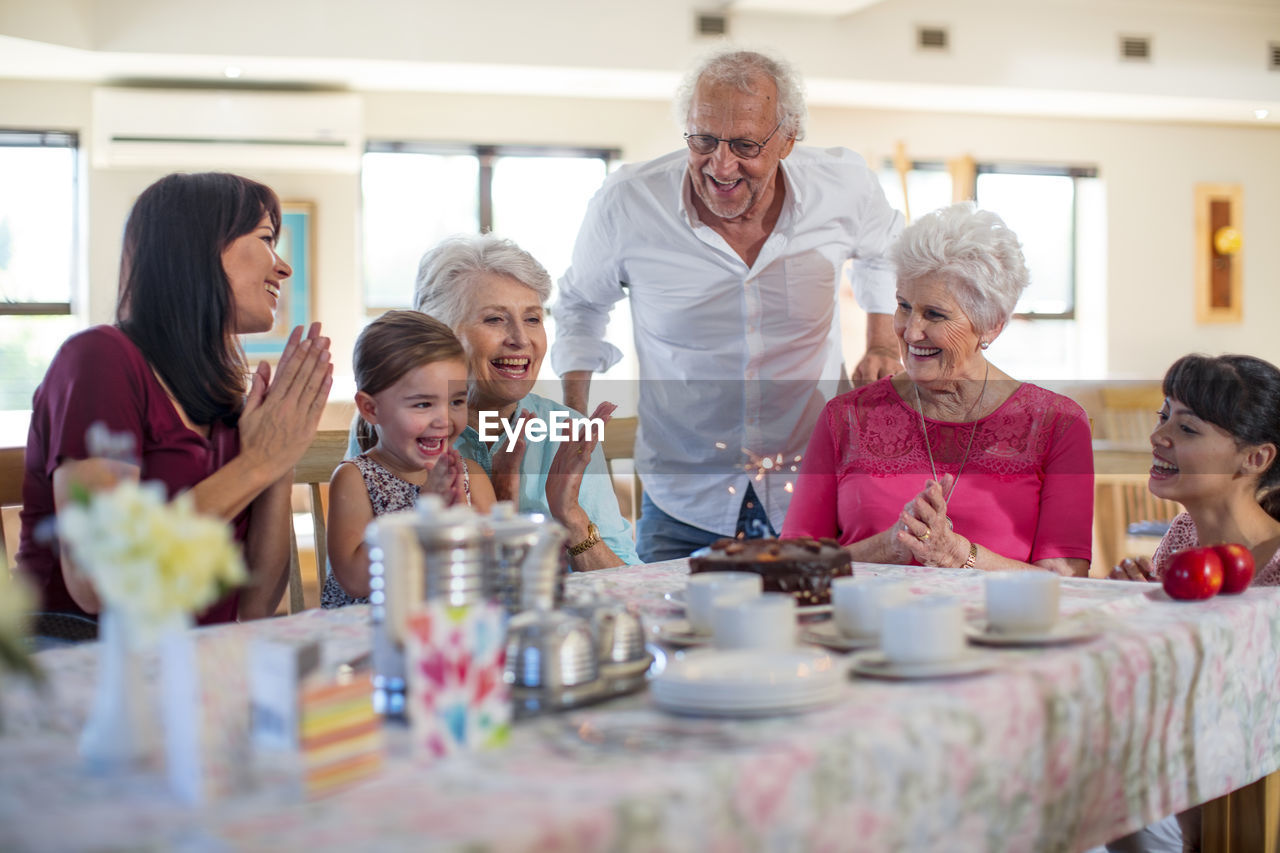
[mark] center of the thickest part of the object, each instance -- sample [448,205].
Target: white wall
[1148,170]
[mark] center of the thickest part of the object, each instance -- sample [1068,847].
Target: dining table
[1160,706]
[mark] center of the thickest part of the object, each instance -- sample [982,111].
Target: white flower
[150,560]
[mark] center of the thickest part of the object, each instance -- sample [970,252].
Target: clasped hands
[924,532]
[281,414]
[447,478]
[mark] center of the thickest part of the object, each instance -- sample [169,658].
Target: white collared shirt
[735,362]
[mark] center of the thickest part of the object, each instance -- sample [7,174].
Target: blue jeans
[661,537]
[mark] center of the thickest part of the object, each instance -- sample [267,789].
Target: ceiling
[1035,57]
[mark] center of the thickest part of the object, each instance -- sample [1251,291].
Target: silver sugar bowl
[551,662]
[619,635]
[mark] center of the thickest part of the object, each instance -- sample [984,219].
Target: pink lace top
[1183,535]
[1026,491]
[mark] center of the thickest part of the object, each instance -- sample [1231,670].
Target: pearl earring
[984,344]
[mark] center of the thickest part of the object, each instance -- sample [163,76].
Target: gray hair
[977,251]
[740,69]
[447,271]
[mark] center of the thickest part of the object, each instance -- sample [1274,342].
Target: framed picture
[295,246]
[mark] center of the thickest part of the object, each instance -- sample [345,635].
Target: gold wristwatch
[593,538]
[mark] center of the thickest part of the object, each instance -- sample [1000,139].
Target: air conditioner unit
[227,130]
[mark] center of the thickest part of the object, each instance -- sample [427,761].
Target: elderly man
[731,260]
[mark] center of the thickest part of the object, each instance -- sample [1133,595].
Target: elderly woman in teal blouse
[491,293]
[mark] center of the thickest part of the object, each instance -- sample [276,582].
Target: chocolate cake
[801,566]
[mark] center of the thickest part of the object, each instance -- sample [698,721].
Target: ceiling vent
[1273,56]
[1135,48]
[932,38]
[711,25]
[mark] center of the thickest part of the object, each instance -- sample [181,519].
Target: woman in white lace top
[1214,451]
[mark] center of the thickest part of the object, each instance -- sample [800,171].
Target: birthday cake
[801,566]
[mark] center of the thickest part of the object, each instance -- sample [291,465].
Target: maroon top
[100,375]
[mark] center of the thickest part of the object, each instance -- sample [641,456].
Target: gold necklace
[924,430]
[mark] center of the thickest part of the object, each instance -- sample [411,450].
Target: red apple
[1193,574]
[1237,567]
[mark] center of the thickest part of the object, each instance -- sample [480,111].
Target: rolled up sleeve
[873,277]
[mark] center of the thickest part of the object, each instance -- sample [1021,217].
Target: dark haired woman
[198,268]
[1214,452]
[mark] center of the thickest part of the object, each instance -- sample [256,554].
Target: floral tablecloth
[1058,749]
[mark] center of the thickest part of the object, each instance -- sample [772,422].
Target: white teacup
[765,622]
[704,588]
[928,629]
[1022,602]
[856,603]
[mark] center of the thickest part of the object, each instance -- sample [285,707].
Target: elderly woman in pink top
[952,462]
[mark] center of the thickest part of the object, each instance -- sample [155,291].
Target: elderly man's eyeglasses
[746,149]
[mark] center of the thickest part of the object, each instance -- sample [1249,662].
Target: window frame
[1075,172]
[27,138]
[487,154]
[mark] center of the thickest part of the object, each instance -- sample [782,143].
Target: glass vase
[116,736]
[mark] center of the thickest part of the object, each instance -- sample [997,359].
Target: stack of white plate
[748,683]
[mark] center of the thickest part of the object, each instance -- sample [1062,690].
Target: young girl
[411,376]
[1214,452]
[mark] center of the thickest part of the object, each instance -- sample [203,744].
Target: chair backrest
[1129,411]
[11,468]
[327,450]
[620,443]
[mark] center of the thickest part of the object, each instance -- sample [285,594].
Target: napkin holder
[276,674]
[321,731]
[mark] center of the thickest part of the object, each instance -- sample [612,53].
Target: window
[38,257]
[1037,202]
[1058,213]
[417,194]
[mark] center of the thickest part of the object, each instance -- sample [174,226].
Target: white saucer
[679,633]
[677,598]
[875,665]
[828,635]
[1060,634]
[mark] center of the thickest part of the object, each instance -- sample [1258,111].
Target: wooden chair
[313,471]
[1126,420]
[620,443]
[1129,412]
[11,465]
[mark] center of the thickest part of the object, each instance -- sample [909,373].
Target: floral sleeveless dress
[387,493]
